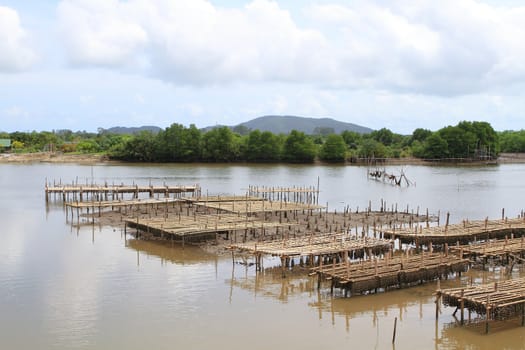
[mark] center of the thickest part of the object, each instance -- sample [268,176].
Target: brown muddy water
[64,287]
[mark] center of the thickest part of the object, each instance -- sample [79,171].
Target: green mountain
[132,130]
[278,124]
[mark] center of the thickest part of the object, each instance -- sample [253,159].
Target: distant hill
[133,130]
[278,124]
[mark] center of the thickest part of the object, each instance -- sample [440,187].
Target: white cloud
[450,47]
[100,32]
[15,54]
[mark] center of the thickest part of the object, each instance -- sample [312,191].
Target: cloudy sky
[84,64]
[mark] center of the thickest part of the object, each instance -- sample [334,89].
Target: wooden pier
[497,301]
[375,274]
[104,192]
[464,232]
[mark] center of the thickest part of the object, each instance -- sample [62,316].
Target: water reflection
[170,252]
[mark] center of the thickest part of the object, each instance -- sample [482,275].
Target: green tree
[88,146]
[138,148]
[334,149]
[435,147]
[352,138]
[220,145]
[263,147]
[512,141]
[384,135]
[371,148]
[420,135]
[298,148]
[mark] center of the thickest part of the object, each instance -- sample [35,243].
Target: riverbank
[53,157]
[58,157]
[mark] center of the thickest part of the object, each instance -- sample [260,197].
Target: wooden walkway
[199,225]
[103,192]
[497,301]
[315,245]
[374,274]
[467,231]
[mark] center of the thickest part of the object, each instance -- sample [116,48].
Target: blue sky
[84,64]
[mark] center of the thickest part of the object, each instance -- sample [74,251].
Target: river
[63,287]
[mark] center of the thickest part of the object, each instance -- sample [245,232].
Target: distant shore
[57,157]
[53,157]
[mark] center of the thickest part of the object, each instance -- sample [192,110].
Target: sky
[403,64]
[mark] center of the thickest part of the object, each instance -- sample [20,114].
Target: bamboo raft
[465,232]
[497,301]
[200,225]
[374,274]
[316,245]
[99,192]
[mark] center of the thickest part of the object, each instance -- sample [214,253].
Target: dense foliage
[177,143]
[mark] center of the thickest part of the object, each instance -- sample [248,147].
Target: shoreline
[57,157]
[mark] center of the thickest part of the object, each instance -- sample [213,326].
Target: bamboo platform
[504,248]
[374,274]
[199,225]
[99,192]
[497,301]
[121,203]
[465,232]
[309,195]
[315,245]
[218,198]
[256,206]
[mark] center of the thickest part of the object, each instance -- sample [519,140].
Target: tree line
[177,143]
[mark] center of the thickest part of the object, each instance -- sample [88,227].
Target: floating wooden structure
[98,206]
[255,206]
[181,227]
[375,274]
[316,245]
[219,198]
[497,301]
[464,232]
[505,250]
[104,192]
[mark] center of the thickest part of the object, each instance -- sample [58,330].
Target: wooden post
[394,333]
[462,306]
[487,315]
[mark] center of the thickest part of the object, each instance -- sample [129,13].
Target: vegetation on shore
[177,143]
